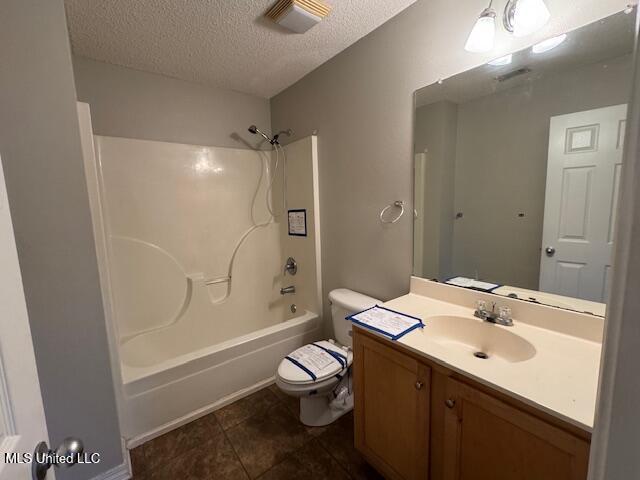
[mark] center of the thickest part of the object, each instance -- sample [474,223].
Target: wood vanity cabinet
[392,409]
[418,420]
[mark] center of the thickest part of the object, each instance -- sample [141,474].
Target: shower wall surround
[177,216]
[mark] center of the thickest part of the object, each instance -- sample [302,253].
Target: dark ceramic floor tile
[292,403]
[138,461]
[239,411]
[315,431]
[311,462]
[214,460]
[180,441]
[277,392]
[338,441]
[265,440]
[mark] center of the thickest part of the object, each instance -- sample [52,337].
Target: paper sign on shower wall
[298,223]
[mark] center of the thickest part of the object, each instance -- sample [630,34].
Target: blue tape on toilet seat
[302,367]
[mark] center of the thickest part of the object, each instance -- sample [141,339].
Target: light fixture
[502,61]
[549,44]
[483,34]
[523,17]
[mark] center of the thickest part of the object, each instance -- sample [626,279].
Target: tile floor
[259,436]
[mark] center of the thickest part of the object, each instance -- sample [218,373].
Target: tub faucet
[285,290]
[502,317]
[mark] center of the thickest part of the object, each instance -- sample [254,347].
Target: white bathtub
[161,396]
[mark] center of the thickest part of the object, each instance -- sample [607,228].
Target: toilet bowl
[326,394]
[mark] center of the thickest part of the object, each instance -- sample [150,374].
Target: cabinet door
[391,410]
[486,439]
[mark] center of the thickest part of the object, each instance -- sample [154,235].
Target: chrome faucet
[503,317]
[291,267]
[286,290]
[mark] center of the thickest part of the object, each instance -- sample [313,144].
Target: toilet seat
[290,373]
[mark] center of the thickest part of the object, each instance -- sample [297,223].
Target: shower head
[255,130]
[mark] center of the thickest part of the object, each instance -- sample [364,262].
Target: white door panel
[583,175]
[22,421]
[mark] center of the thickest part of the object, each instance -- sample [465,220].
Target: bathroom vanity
[427,407]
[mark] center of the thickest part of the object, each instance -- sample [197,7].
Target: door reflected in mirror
[517,169]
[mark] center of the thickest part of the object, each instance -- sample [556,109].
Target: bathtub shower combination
[192,244]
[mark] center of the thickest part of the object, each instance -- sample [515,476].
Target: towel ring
[399,204]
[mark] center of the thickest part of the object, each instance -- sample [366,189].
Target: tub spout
[286,290]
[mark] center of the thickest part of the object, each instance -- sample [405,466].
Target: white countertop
[560,379]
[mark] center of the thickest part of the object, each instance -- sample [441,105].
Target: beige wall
[361,104]
[134,104]
[42,158]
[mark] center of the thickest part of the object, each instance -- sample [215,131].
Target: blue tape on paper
[299,365]
[418,323]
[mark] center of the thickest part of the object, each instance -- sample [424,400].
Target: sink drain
[481,355]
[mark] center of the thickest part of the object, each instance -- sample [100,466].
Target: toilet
[330,395]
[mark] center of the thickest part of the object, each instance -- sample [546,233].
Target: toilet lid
[293,373]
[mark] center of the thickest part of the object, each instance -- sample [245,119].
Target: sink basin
[478,337]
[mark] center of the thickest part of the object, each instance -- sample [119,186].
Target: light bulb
[483,34]
[549,44]
[529,16]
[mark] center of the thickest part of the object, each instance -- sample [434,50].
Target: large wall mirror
[517,167]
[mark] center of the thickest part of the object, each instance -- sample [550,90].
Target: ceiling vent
[298,15]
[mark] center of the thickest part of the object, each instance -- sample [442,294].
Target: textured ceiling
[226,43]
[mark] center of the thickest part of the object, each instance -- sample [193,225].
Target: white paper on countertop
[388,322]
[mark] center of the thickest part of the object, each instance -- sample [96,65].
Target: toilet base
[322,410]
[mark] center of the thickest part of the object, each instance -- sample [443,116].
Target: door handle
[550,251]
[43,458]
[419,385]
[450,403]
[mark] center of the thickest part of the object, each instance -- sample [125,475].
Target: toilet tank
[345,302]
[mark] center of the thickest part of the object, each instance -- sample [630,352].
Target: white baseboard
[178,422]
[121,472]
